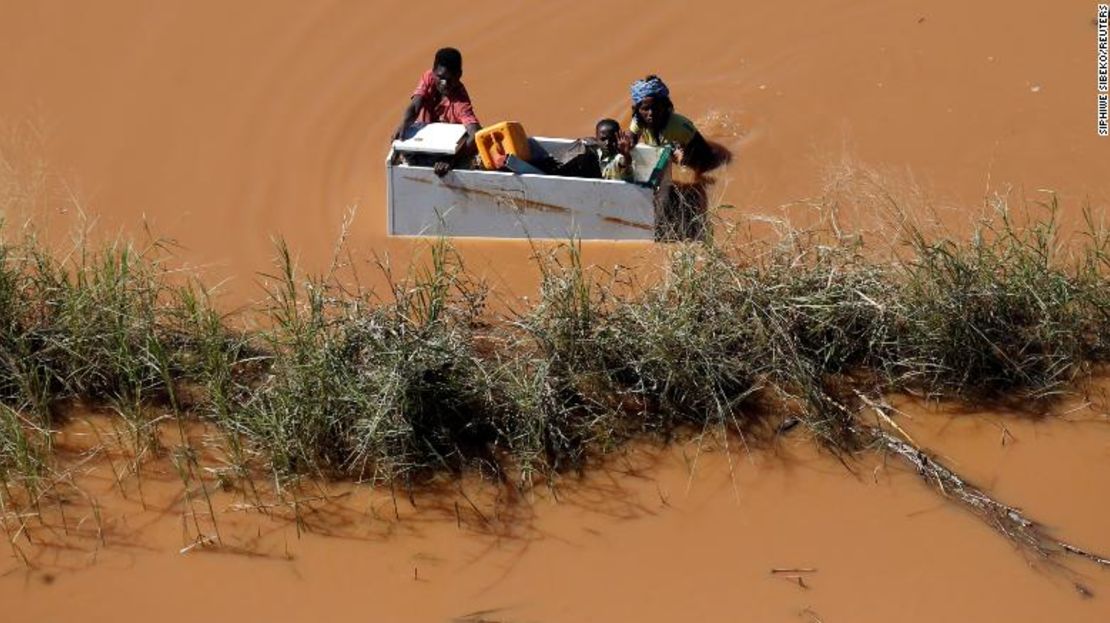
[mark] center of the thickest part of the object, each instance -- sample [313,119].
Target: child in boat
[440,96]
[654,122]
[613,150]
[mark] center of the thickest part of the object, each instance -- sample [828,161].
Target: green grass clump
[687,349]
[24,449]
[726,337]
[96,327]
[828,316]
[1001,315]
[376,391]
[554,404]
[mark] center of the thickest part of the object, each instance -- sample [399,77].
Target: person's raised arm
[471,145]
[408,117]
[625,142]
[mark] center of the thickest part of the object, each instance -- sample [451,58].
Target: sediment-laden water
[224,126]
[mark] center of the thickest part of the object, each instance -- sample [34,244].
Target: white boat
[499,204]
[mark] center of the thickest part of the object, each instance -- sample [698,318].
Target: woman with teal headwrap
[654,122]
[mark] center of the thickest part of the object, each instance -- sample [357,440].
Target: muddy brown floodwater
[222,125]
[680,534]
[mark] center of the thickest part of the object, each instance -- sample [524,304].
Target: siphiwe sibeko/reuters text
[1102,56]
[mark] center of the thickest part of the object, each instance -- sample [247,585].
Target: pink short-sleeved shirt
[454,109]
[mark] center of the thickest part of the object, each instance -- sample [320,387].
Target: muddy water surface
[223,125]
[778,534]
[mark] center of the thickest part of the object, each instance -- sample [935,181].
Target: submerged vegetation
[735,339]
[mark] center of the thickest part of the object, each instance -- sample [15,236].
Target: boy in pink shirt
[441,97]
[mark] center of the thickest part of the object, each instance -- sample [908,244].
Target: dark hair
[608,122]
[450,59]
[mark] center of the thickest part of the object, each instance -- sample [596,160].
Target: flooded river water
[780,533]
[222,125]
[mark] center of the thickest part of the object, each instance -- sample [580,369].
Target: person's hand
[624,143]
[441,168]
[399,133]
[679,155]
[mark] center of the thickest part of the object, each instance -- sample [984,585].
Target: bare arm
[471,138]
[625,142]
[408,117]
[469,148]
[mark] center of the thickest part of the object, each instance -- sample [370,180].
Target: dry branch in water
[1008,521]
